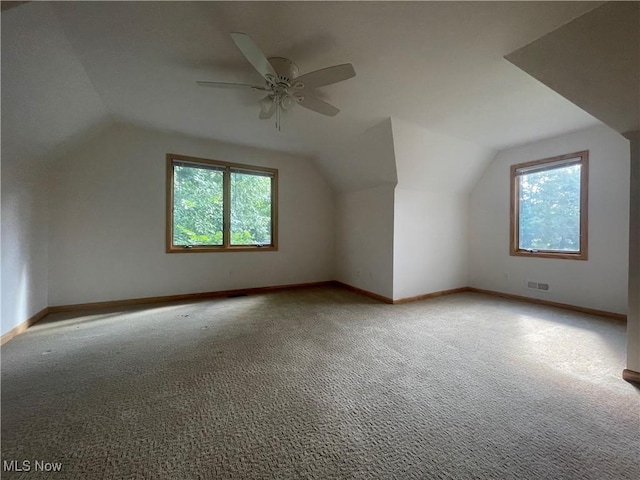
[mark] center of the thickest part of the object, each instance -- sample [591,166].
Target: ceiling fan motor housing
[285,68]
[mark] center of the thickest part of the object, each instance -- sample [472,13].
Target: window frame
[514,229]
[226,246]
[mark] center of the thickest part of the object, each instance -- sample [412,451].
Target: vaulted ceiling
[438,65]
[594,61]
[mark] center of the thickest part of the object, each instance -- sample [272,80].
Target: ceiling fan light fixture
[287,102]
[266,103]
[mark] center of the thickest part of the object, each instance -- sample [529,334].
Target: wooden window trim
[514,230]
[226,246]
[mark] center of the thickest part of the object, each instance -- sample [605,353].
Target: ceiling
[600,71]
[438,65]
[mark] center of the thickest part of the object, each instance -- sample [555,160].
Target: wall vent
[531,285]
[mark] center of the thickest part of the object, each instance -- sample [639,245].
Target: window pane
[250,209]
[550,210]
[197,206]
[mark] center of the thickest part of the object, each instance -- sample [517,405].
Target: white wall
[601,281]
[633,315]
[435,175]
[430,242]
[107,211]
[47,103]
[363,171]
[24,241]
[364,239]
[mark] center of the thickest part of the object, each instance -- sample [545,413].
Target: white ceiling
[438,65]
[47,97]
[601,69]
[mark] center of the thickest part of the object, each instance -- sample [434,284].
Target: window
[215,206]
[549,207]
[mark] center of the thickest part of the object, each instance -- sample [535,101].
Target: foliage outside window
[549,207]
[220,206]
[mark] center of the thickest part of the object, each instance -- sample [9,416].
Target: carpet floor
[321,383]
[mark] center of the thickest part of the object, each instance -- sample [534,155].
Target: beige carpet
[322,383]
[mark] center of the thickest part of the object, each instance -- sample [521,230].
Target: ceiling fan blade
[229,85]
[317,105]
[327,76]
[252,53]
[267,108]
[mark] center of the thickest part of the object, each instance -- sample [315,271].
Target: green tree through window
[549,207]
[550,210]
[217,206]
[197,205]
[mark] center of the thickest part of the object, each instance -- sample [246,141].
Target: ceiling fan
[283,87]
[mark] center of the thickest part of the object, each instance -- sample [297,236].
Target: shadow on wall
[365,161]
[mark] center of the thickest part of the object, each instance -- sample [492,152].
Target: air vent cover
[531,285]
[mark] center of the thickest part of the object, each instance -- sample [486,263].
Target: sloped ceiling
[47,97]
[438,65]
[430,161]
[363,161]
[594,61]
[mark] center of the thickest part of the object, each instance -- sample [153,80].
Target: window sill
[246,248]
[543,254]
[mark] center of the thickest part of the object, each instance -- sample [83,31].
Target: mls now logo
[28,466]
